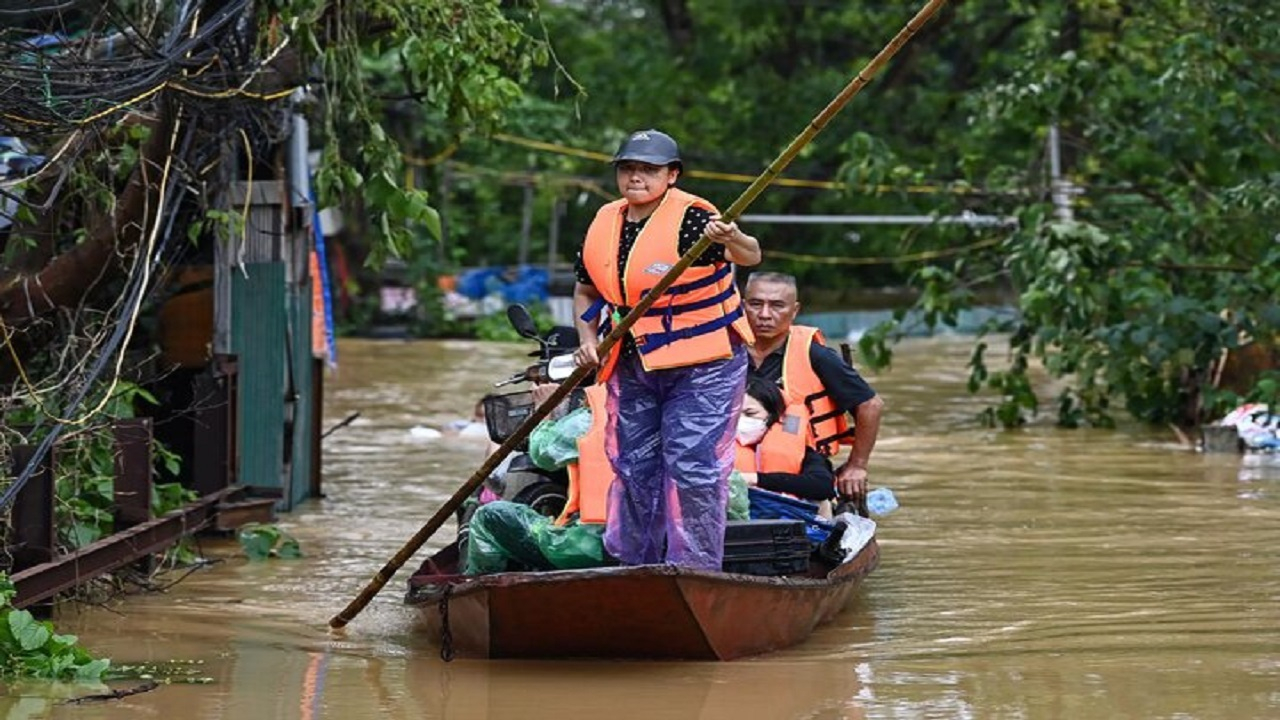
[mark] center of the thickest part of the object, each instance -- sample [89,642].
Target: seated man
[814,378]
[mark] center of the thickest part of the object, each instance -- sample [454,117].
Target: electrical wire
[118,340]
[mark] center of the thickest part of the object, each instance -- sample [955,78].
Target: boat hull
[651,611]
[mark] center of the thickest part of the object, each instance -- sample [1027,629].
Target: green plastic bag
[553,445]
[739,498]
[510,536]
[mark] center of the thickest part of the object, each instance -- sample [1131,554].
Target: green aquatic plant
[31,648]
[261,541]
[166,672]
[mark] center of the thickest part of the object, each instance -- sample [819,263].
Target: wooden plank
[234,514]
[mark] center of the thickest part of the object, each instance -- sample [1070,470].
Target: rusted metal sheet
[317,419]
[652,611]
[33,538]
[49,578]
[214,453]
[133,472]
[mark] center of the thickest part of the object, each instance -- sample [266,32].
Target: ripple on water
[1029,573]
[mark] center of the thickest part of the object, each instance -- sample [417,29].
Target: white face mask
[751,430]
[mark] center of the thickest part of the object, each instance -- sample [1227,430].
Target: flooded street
[1037,573]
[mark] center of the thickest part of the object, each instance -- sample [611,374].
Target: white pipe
[962,219]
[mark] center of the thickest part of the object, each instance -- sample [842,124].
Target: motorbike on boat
[517,479]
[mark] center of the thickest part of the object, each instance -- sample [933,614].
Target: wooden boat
[647,611]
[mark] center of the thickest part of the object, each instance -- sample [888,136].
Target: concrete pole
[1060,190]
[553,234]
[526,222]
[442,202]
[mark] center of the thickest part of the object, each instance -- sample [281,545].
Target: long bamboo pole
[735,210]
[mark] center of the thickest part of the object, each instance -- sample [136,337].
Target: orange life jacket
[690,323]
[828,426]
[781,450]
[591,476]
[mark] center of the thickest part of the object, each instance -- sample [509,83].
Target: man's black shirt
[847,388]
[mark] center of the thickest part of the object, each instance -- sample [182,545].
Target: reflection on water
[1033,573]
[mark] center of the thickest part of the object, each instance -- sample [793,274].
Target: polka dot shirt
[695,221]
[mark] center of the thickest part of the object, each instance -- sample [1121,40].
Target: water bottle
[881,501]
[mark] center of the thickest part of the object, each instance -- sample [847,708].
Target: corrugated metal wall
[269,315]
[258,339]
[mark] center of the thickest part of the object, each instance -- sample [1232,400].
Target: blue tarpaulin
[766,505]
[518,284]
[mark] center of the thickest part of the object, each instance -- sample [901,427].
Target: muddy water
[1029,574]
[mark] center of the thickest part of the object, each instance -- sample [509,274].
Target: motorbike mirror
[520,319]
[560,367]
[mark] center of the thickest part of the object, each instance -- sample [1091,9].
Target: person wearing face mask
[771,449]
[675,382]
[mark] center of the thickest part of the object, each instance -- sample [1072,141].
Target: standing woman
[676,380]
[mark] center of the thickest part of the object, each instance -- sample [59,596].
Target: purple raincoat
[670,440]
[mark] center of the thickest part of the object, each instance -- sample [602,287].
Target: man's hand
[587,354]
[851,480]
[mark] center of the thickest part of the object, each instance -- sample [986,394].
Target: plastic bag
[553,445]
[881,501]
[739,499]
[505,535]
[857,533]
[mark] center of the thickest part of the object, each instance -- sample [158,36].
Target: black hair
[769,395]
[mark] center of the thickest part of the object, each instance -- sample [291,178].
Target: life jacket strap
[594,311]
[653,341]
[715,277]
[597,307]
[809,400]
[825,444]
[825,416]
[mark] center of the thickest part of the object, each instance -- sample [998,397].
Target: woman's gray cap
[648,146]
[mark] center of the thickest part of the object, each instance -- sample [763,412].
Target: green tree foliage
[1172,258]
[387,69]
[1166,111]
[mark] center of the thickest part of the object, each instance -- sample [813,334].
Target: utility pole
[1060,190]
[526,221]
[446,177]
[553,234]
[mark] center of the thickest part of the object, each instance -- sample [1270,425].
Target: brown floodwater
[1036,573]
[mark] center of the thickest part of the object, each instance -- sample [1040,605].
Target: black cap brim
[650,159]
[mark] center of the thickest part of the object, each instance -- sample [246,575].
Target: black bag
[766,547]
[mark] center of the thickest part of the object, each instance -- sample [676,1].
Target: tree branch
[66,280]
